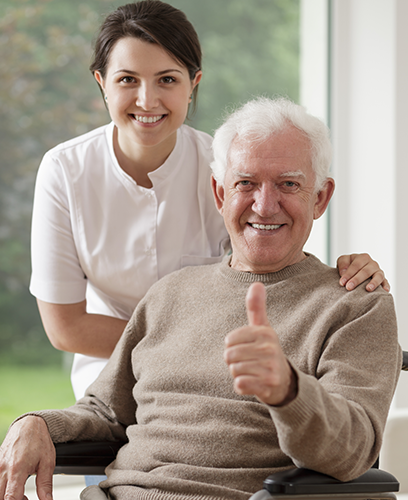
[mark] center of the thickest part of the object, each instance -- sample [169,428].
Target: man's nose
[267,201]
[147,97]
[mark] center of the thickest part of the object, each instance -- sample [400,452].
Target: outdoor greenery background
[47,95]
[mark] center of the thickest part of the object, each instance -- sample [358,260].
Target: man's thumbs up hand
[255,358]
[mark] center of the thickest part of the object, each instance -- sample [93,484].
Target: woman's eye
[127,79]
[168,79]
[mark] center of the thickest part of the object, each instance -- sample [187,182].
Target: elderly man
[229,372]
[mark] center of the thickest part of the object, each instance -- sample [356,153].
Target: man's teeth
[148,119]
[267,227]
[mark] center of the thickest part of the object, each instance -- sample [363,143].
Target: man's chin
[256,264]
[264,260]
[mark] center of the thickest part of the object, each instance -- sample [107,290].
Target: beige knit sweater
[190,436]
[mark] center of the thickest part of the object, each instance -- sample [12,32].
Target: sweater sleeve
[335,424]
[108,407]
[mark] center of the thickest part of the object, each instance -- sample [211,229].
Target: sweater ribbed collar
[306,265]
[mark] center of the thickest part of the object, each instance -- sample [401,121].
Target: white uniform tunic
[97,235]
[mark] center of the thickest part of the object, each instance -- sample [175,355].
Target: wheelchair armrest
[404,361]
[305,481]
[85,457]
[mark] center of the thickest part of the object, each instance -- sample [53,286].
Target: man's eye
[290,185]
[244,184]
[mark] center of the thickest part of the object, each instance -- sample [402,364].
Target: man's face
[268,201]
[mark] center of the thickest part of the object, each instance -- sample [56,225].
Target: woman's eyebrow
[159,73]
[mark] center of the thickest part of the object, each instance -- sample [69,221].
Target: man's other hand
[26,450]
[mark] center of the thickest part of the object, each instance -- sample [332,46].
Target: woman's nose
[146,97]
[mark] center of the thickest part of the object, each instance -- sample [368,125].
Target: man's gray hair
[261,118]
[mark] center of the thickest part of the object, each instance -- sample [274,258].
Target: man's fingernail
[350,285]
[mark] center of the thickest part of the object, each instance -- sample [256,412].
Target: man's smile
[265,227]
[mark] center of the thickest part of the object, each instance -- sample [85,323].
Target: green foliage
[250,47]
[47,95]
[24,389]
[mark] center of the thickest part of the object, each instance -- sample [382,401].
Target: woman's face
[148,93]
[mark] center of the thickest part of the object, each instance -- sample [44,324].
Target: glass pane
[250,48]
[47,95]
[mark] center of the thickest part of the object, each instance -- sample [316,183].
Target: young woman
[125,204]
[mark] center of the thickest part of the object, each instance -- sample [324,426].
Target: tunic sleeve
[57,275]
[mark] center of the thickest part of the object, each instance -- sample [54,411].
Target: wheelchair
[91,458]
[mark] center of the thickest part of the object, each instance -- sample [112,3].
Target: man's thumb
[256,305]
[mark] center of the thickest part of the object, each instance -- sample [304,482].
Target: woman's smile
[148,119]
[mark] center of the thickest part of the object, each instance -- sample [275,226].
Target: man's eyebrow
[297,173]
[238,173]
[246,175]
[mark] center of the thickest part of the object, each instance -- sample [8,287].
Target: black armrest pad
[404,361]
[304,481]
[85,457]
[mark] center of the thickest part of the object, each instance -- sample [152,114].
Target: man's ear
[323,198]
[218,192]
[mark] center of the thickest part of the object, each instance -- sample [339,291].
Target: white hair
[259,119]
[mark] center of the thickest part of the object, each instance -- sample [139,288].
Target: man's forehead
[287,138]
[287,151]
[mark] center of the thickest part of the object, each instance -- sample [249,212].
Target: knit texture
[191,437]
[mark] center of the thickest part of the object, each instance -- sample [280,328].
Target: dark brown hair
[155,22]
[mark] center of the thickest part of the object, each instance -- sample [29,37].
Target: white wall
[363,128]
[369,122]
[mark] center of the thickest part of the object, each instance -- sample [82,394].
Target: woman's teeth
[148,119]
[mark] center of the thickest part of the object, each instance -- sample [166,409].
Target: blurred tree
[250,47]
[47,95]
